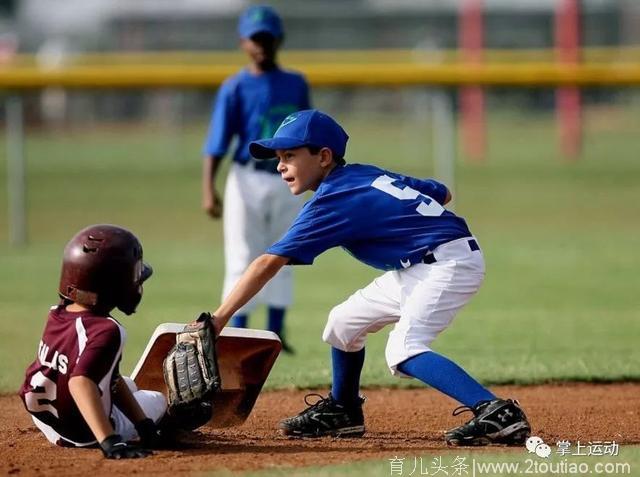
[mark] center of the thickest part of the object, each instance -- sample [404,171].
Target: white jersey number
[428,206]
[44,393]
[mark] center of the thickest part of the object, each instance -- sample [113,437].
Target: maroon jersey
[73,344]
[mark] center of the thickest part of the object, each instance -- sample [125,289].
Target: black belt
[430,258]
[268,165]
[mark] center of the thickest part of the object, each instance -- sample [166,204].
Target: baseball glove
[191,374]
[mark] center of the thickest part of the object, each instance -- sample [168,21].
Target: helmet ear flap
[86,298]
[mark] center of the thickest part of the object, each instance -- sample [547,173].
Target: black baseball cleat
[325,418]
[286,347]
[500,421]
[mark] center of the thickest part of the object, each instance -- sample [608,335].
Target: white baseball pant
[421,300]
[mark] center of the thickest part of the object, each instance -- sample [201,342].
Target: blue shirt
[386,220]
[252,107]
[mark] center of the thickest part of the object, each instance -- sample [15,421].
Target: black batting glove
[150,434]
[113,447]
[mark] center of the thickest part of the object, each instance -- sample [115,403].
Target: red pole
[568,102]
[472,109]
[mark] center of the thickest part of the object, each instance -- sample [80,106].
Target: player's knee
[153,404]
[335,332]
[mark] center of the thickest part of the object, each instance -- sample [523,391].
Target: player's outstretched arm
[255,277]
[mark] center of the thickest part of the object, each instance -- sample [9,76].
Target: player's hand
[113,447]
[212,205]
[215,322]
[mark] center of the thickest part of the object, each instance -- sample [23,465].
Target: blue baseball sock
[275,319]
[346,375]
[239,321]
[447,377]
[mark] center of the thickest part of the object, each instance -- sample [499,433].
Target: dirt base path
[399,422]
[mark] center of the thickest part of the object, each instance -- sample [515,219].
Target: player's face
[261,48]
[301,170]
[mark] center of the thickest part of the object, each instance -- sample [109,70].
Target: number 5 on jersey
[427,207]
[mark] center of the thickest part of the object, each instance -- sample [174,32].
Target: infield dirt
[399,422]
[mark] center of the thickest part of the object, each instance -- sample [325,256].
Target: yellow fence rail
[601,67]
[391,74]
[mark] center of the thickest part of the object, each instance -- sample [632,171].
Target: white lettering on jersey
[57,362]
[428,206]
[63,361]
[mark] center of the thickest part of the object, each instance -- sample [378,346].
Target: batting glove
[113,447]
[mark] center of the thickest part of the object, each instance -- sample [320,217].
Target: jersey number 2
[43,394]
[427,207]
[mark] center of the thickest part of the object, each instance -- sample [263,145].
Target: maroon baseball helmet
[102,269]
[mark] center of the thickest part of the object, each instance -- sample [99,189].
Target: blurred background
[53,34]
[105,105]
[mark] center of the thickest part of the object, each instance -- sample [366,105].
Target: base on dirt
[245,358]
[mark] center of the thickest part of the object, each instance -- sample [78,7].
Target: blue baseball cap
[304,128]
[260,18]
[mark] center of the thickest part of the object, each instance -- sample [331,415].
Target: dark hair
[316,150]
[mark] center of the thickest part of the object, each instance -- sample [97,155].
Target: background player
[258,208]
[74,390]
[433,267]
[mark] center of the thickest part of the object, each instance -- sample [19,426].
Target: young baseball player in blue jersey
[432,267]
[258,208]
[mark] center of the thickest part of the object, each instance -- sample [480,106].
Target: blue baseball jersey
[252,107]
[386,220]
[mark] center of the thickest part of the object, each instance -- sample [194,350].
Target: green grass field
[560,301]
